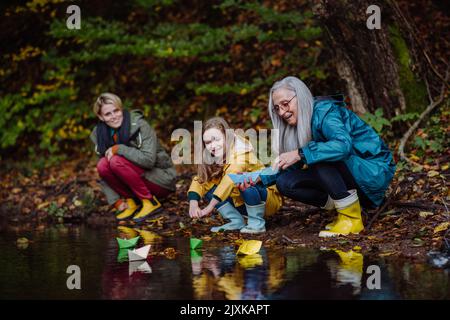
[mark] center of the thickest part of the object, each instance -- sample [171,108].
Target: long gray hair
[291,138]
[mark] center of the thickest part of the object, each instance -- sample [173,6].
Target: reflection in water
[39,271]
[221,273]
[126,232]
[122,256]
[139,266]
[348,269]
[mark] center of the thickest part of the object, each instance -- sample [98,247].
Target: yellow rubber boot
[350,270]
[333,223]
[329,206]
[126,232]
[127,213]
[149,237]
[351,260]
[350,220]
[149,206]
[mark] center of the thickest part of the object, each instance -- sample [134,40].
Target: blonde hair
[106,98]
[292,138]
[208,170]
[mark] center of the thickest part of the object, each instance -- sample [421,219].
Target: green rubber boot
[228,211]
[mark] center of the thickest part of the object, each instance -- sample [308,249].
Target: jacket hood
[135,117]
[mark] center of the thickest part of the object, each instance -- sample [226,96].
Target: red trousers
[127,179]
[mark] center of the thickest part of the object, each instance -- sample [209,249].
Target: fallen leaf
[398,222]
[387,253]
[417,242]
[425,214]
[22,240]
[62,200]
[442,227]
[43,205]
[170,253]
[432,173]
[387,213]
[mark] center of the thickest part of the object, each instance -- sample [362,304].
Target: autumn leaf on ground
[442,227]
[432,173]
[16,190]
[387,253]
[170,253]
[43,205]
[425,214]
[62,200]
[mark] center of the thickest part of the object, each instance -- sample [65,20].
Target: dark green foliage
[178,61]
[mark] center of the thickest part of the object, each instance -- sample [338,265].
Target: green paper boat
[196,255]
[127,243]
[195,243]
[123,255]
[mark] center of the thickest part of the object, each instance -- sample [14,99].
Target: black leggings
[313,185]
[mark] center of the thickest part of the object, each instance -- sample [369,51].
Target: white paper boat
[138,254]
[139,266]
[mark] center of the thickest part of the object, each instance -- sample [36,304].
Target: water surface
[38,270]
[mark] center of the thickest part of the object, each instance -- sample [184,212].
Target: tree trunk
[364,58]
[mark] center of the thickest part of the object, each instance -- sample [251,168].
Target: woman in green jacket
[133,166]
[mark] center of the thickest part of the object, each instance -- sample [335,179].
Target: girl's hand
[123,206]
[207,210]
[247,184]
[194,209]
[109,154]
[286,159]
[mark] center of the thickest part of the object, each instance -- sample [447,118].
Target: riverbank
[413,221]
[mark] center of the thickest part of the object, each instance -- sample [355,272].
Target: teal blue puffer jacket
[338,134]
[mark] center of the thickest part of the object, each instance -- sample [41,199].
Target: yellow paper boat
[250,261]
[249,247]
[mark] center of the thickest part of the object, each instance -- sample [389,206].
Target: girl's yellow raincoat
[241,159]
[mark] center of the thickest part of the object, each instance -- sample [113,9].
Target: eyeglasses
[283,106]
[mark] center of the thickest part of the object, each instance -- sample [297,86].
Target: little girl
[228,153]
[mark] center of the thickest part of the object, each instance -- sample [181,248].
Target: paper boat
[249,247]
[139,266]
[122,255]
[127,243]
[196,256]
[239,178]
[250,261]
[195,243]
[138,254]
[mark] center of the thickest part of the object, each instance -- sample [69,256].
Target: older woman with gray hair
[329,157]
